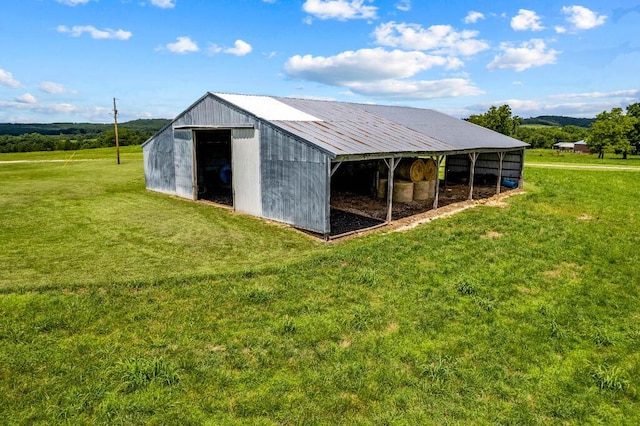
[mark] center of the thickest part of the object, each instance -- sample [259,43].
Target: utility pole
[115,122]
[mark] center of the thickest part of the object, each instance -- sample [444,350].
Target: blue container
[509,183]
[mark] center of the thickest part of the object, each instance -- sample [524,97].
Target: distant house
[284,158]
[581,146]
[564,146]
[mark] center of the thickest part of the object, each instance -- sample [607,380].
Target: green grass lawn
[557,156]
[120,306]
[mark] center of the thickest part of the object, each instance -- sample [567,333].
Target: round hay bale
[382,188]
[402,191]
[421,191]
[430,170]
[411,169]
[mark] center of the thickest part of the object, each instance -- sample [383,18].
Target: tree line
[72,136]
[616,131]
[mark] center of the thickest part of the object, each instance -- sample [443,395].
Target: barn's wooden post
[500,159]
[521,178]
[330,171]
[473,156]
[194,165]
[437,161]
[391,165]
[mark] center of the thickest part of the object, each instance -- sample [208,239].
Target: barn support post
[391,165]
[335,168]
[521,178]
[500,159]
[194,162]
[446,174]
[437,160]
[327,226]
[473,156]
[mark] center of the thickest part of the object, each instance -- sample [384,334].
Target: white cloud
[40,108]
[526,20]
[365,65]
[164,4]
[73,2]
[629,94]
[473,17]
[416,90]
[240,48]
[587,104]
[53,88]
[582,18]
[62,112]
[183,45]
[6,79]
[214,49]
[442,39]
[533,53]
[27,98]
[404,5]
[107,33]
[534,108]
[382,74]
[560,29]
[341,10]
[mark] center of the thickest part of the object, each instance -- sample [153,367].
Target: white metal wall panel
[294,181]
[159,170]
[183,157]
[245,163]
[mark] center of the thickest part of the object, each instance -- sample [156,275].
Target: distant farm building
[581,146]
[564,146]
[316,164]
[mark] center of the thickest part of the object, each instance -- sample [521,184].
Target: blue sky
[65,60]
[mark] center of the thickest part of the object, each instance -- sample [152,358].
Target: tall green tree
[633,111]
[498,119]
[610,132]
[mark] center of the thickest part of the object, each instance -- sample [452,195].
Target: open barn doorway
[213,166]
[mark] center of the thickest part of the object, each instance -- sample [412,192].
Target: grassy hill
[123,306]
[141,125]
[558,121]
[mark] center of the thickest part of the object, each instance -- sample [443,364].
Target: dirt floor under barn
[353,212]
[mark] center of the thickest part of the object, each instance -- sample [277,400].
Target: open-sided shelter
[279,158]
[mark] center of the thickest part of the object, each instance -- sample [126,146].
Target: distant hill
[146,126]
[559,121]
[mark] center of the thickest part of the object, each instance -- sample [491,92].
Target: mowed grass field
[123,306]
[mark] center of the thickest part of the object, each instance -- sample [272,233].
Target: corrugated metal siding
[159,170]
[212,111]
[347,129]
[245,148]
[487,164]
[183,158]
[294,181]
[512,164]
[395,129]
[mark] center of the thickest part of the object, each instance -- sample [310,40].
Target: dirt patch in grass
[585,217]
[490,235]
[394,326]
[565,269]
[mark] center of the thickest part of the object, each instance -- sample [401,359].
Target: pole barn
[284,159]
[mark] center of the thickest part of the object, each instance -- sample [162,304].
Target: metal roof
[349,129]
